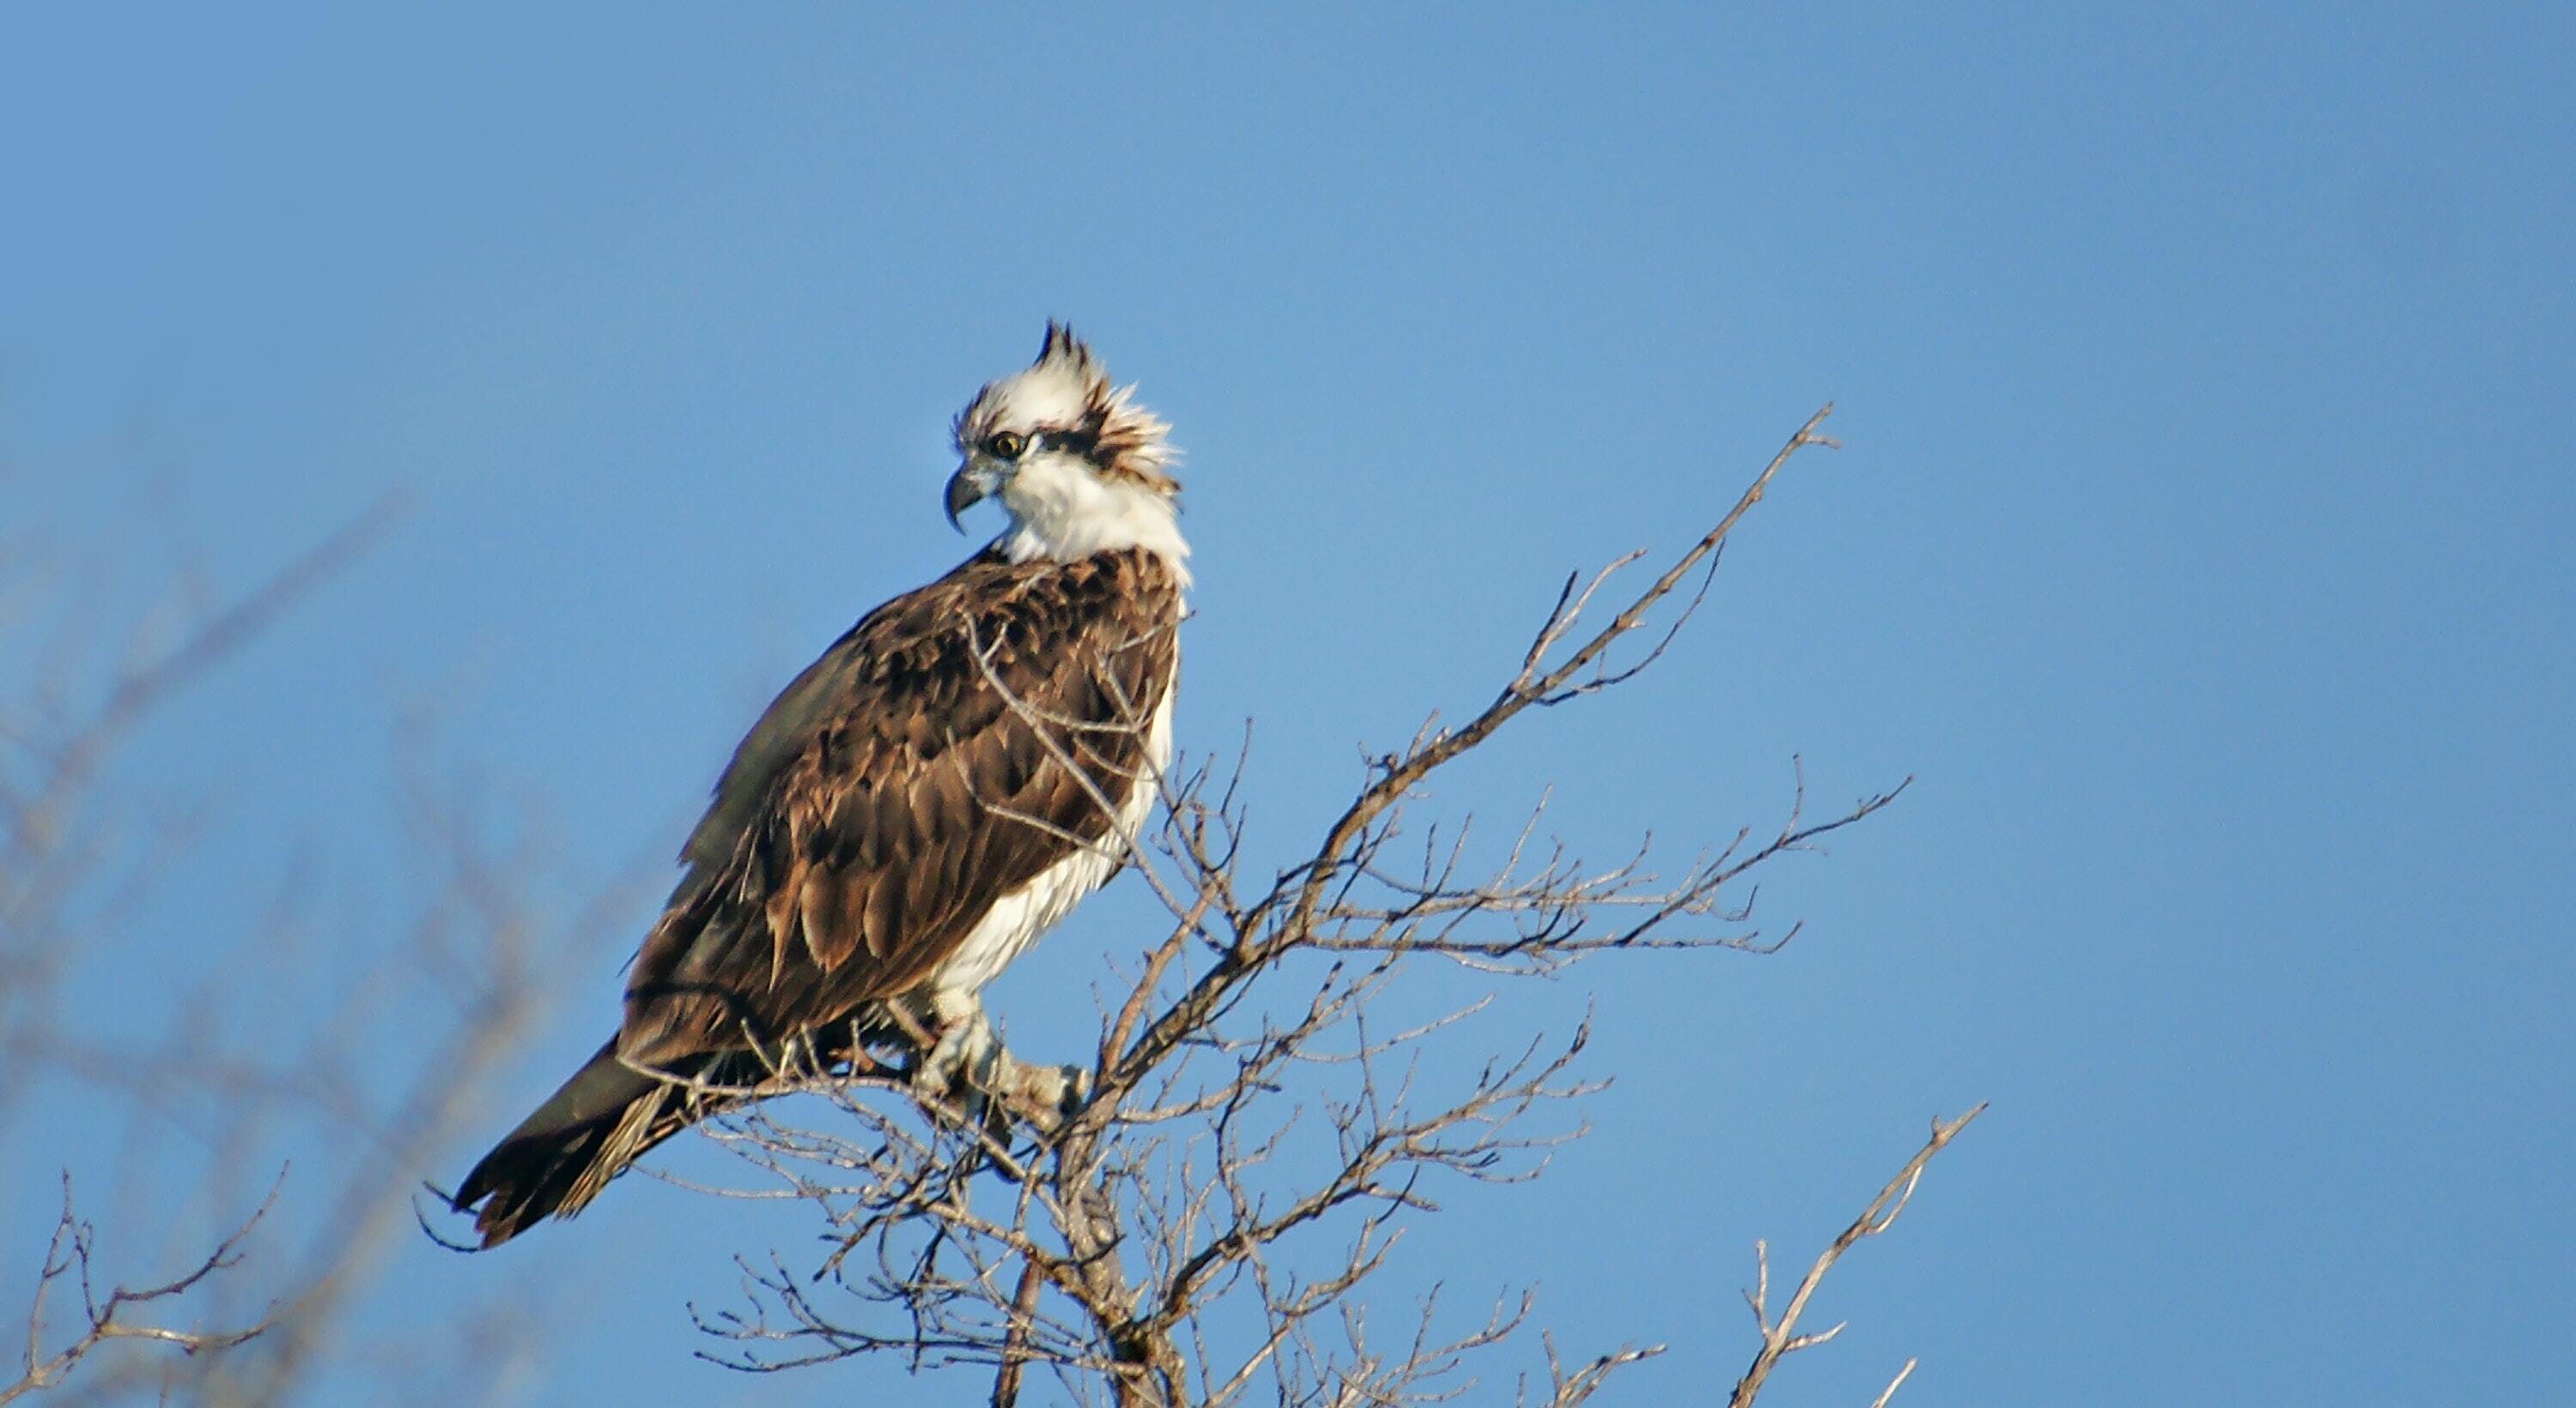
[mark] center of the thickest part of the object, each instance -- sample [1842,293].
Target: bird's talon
[1074,1089]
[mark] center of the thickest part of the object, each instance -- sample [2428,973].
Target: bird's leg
[968,1060]
[963,1059]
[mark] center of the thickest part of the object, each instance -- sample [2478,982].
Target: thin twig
[1780,1337]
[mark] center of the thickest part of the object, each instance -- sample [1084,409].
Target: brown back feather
[892,793]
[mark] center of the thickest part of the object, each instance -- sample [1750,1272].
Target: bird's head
[1078,464]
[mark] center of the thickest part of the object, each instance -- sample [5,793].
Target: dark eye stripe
[1010,445]
[1080,442]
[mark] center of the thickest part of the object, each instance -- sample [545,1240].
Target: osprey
[915,809]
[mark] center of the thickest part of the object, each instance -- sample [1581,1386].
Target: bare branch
[1780,1337]
[108,1318]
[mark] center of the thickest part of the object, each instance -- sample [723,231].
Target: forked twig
[69,1257]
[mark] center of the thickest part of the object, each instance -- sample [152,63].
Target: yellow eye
[1008,445]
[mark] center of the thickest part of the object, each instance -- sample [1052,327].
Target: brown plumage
[941,758]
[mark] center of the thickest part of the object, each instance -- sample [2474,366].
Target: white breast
[1017,919]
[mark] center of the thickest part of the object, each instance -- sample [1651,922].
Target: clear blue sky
[2201,543]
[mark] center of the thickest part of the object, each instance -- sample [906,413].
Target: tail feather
[559,1158]
[610,1114]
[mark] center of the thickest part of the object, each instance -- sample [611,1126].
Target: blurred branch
[269,1051]
[137,690]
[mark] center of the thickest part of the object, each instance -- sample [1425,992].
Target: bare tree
[218,1274]
[1259,1126]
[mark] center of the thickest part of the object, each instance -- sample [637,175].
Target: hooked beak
[966,488]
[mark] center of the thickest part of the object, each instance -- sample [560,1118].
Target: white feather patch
[1061,510]
[1019,918]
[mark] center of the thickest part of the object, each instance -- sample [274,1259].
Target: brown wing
[894,791]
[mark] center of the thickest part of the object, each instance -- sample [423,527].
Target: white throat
[1061,510]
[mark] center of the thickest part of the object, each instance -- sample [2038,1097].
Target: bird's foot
[1042,1095]
[969,1065]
